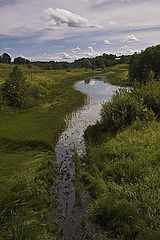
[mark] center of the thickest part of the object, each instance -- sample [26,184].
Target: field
[27,158]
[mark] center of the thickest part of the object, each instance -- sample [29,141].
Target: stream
[74,218]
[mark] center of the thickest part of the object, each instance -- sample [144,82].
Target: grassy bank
[27,142]
[123,165]
[117,75]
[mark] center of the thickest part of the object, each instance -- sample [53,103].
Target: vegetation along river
[74,216]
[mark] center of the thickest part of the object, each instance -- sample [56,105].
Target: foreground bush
[150,95]
[123,109]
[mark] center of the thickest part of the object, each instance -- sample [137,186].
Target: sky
[65,30]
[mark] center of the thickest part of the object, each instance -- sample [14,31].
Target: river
[74,217]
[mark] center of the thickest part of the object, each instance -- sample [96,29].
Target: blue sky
[70,29]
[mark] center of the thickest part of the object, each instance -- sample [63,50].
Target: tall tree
[6,58]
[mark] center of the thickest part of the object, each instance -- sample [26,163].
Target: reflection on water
[72,216]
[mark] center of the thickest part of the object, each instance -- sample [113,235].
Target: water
[73,216]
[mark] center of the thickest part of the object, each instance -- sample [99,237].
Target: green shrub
[14,90]
[123,109]
[150,95]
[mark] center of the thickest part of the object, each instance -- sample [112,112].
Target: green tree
[6,58]
[20,60]
[14,89]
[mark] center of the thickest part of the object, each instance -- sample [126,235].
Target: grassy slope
[117,75]
[123,176]
[28,138]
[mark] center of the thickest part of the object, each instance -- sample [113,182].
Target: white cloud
[8,49]
[91,49]
[74,50]
[114,23]
[107,42]
[124,47]
[59,17]
[66,56]
[131,38]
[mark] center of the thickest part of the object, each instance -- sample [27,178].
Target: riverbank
[122,165]
[27,143]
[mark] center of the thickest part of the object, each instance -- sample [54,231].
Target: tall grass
[123,170]
[27,142]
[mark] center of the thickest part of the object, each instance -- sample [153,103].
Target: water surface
[73,216]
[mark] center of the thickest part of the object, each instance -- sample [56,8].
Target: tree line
[103,61]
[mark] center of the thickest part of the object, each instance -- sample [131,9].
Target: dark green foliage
[141,64]
[14,90]
[88,63]
[123,109]
[5,58]
[150,93]
[20,60]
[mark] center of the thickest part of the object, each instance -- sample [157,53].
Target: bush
[123,109]
[150,93]
[14,90]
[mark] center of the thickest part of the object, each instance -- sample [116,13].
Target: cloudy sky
[70,29]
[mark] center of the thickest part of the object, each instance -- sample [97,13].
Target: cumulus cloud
[131,38]
[107,42]
[59,17]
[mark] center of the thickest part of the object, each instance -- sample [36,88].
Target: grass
[27,142]
[123,176]
[123,169]
[117,75]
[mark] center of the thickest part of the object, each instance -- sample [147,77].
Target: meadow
[27,151]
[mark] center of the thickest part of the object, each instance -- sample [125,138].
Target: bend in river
[74,216]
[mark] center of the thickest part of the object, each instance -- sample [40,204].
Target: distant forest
[141,65]
[103,61]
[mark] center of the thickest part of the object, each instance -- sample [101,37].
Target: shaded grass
[123,175]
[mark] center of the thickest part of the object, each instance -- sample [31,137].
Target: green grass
[27,159]
[123,176]
[123,168]
[117,75]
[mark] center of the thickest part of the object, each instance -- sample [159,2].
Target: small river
[74,217]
